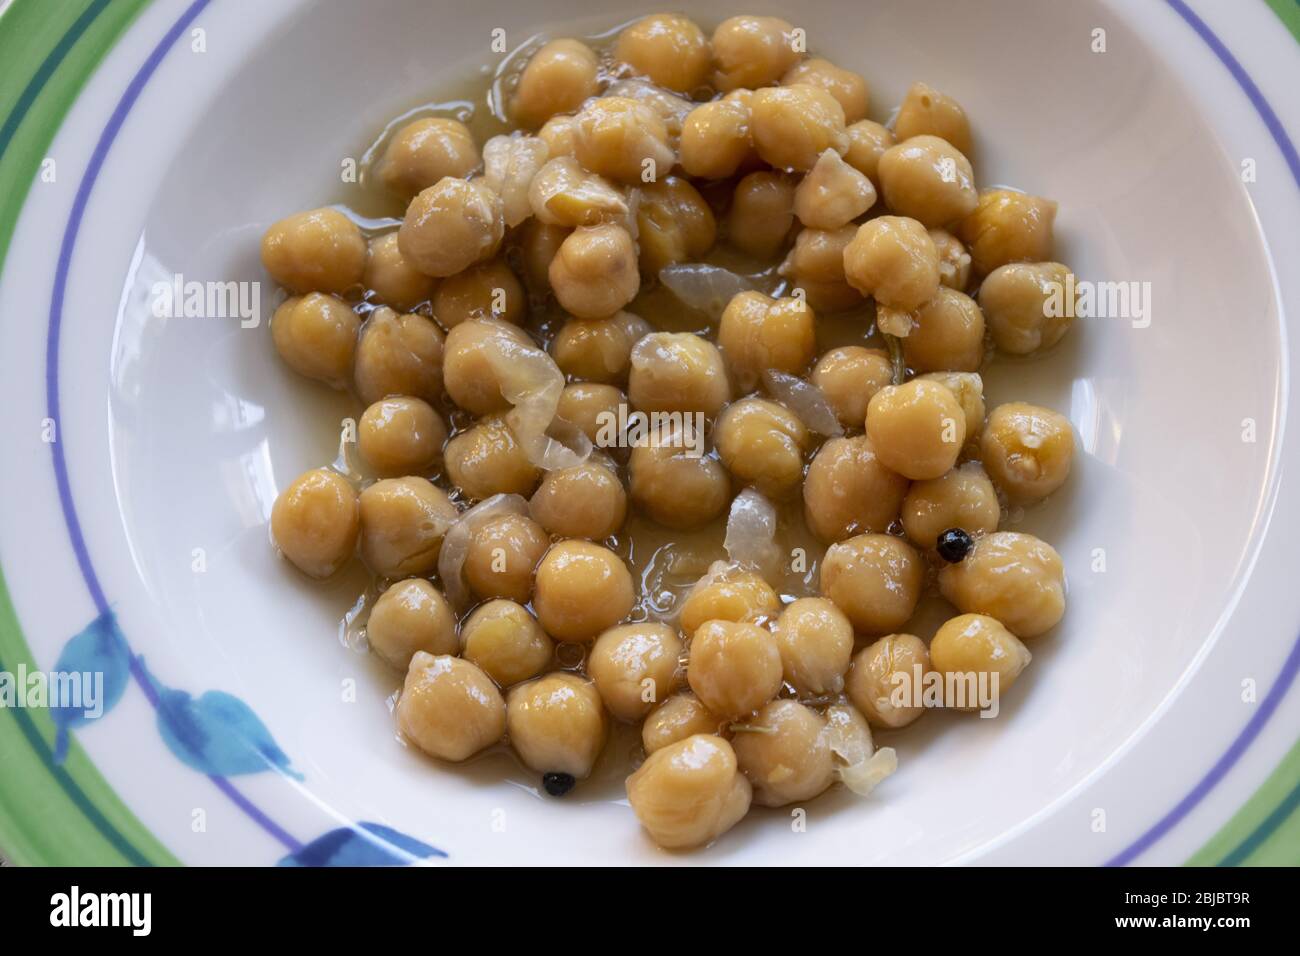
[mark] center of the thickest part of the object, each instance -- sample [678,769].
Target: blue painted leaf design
[101,656]
[366,844]
[217,733]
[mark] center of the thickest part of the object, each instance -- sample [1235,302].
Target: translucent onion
[751,533]
[860,767]
[706,288]
[455,544]
[509,165]
[804,399]
[669,107]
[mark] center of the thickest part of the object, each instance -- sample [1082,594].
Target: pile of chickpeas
[519,279]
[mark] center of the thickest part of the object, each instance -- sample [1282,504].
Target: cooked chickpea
[875,579]
[1027,305]
[556,724]
[316,336]
[538,245]
[403,521]
[504,640]
[582,589]
[450,226]
[816,641]
[598,350]
[622,139]
[510,163]
[400,436]
[883,669]
[557,79]
[488,460]
[564,194]
[468,369]
[635,667]
[677,372]
[676,488]
[893,259]
[487,290]
[715,139]
[816,265]
[968,388]
[425,151]
[734,668]
[734,595]
[947,334]
[848,88]
[963,498]
[916,428]
[762,214]
[503,552]
[398,355]
[668,48]
[590,406]
[833,193]
[315,522]
[928,179]
[394,281]
[794,125]
[927,112]
[1008,226]
[848,491]
[954,260]
[689,793]
[1016,578]
[320,250]
[762,443]
[594,273]
[557,133]
[674,224]
[868,141]
[411,616]
[584,501]
[972,644]
[848,377]
[449,708]
[680,716]
[1027,450]
[787,757]
[752,52]
[758,332]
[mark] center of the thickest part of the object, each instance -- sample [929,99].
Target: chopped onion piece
[509,165]
[860,766]
[751,533]
[804,399]
[862,777]
[455,544]
[704,287]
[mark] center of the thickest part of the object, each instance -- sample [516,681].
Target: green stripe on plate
[1266,830]
[1288,11]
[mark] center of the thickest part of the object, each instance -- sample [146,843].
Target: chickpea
[1016,578]
[670,107]
[315,522]
[715,139]
[674,224]
[758,332]
[789,759]
[1027,305]
[968,388]
[868,141]
[833,194]
[634,667]
[622,139]
[675,488]
[320,250]
[816,265]
[584,501]
[503,552]
[488,460]
[594,273]
[734,595]
[449,708]
[762,214]
[557,133]
[947,334]
[398,355]
[394,281]
[590,406]
[917,428]
[668,48]
[564,194]
[793,125]
[1027,450]
[677,372]
[752,52]
[680,716]
[816,641]
[452,225]
[487,290]
[403,521]
[557,79]
[848,88]
[762,443]
[928,179]
[963,498]
[954,260]
[468,370]
[894,260]
[411,616]
[848,377]
[1008,226]
[510,163]
[848,490]
[557,724]
[971,645]
[689,793]
[400,436]
[735,667]
[895,663]
[504,640]
[582,590]
[425,151]
[538,245]
[875,579]
[927,112]
[598,350]
[316,335]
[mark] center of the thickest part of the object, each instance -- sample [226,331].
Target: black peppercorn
[954,544]
[558,784]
